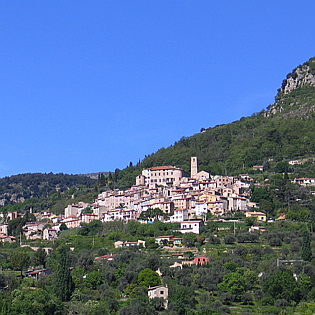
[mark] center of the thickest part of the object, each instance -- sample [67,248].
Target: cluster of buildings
[182,198]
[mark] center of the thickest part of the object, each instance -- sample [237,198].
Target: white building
[201,209]
[190,227]
[179,215]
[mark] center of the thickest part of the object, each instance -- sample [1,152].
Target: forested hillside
[282,132]
[18,188]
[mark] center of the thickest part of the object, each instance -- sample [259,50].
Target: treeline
[18,188]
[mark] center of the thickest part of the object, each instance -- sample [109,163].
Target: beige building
[160,175]
[259,215]
[159,292]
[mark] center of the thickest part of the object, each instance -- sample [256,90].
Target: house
[258,168]
[88,217]
[164,239]
[190,227]
[36,274]
[75,209]
[218,207]
[71,222]
[4,238]
[259,215]
[160,291]
[295,162]
[105,257]
[237,203]
[33,230]
[121,244]
[305,181]
[198,260]
[120,214]
[177,265]
[4,229]
[246,177]
[179,215]
[201,209]
[257,228]
[50,234]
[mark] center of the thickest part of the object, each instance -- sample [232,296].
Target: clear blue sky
[88,86]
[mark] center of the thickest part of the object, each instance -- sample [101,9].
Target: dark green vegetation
[17,188]
[248,273]
[52,195]
[283,132]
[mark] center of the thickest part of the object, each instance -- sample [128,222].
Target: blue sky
[88,86]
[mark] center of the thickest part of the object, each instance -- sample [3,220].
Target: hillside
[18,188]
[282,132]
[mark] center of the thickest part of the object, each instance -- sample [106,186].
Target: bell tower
[193,166]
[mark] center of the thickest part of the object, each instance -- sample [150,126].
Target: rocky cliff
[296,97]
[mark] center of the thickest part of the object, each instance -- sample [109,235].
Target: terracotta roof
[161,168]
[105,257]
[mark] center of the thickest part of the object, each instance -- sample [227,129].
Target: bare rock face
[300,76]
[296,97]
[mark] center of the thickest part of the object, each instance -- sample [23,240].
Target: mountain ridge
[283,131]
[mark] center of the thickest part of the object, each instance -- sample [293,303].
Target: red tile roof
[161,168]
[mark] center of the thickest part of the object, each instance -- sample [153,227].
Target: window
[161,292]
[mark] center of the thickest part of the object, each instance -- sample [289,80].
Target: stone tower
[193,166]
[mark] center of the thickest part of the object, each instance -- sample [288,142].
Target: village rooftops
[106,257]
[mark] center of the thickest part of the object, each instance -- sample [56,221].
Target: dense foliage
[17,188]
[246,276]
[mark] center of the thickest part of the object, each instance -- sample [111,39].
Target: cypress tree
[306,247]
[63,285]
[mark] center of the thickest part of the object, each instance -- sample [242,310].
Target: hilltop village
[178,197]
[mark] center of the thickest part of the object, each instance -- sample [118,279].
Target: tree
[85,259]
[93,280]
[63,284]
[181,299]
[229,239]
[20,260]
[234,283]
[306,247]
[40,257]
[38,301]
[282,285]
[15,226]
[189,239]
[63,227]
[148,278]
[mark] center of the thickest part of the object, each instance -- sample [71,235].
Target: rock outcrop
[296,97]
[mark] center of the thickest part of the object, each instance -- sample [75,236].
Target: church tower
[193,167]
